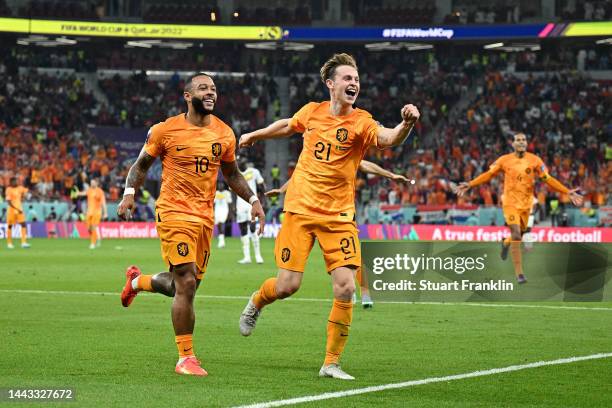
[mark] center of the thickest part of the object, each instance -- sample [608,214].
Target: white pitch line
[377,388]
[230,297]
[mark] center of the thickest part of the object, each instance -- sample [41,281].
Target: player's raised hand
[246,140]
[274,192]
[258,212]
[575,198]
[124,209]
[410,114]
[461,189]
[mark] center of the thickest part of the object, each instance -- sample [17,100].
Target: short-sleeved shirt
[95,199]
[520,175]
[191,157]
[323,183]
[15,195]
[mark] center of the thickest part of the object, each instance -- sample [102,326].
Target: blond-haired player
[320,200]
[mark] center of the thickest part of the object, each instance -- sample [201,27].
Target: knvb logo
[183,249]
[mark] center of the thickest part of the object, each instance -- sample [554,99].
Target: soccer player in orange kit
[320,200]
[193,146]
[14,215]
[521,170]
[96,211]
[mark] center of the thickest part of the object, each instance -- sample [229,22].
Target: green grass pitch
[53,336]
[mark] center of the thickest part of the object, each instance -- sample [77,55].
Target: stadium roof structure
[437,33]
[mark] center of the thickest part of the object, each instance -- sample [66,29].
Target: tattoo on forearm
[236,180]
[138,171]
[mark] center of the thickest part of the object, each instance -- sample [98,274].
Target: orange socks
[184,343]
[24,235]
[9,235]
[93,237]
[338,327]
[144,283]
[266,294]
[515,252]
[507,241]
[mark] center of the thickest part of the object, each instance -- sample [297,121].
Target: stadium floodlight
[284,46]
[396,46]
[44,41]
[494,45]
[67,41]
[604,41]
[177,45]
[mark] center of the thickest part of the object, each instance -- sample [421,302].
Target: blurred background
[76,101]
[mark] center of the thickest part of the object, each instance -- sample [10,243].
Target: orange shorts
[93,219]
[518,216]
[185,242]
[338,240]
[13,217]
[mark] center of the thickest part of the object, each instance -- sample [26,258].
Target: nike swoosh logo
[178,149]
[343,335]
[310,129]
[348,257]
[186,350]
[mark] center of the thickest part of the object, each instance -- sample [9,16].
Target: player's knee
[185,282]
[344,289]
[286,289]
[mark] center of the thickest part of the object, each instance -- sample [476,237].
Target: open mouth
[351,92]
[209,101]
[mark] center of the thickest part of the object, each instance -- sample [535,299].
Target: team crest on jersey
[285,254]
[216,150]
[182,248]
[512,218]
[342,135]
[528,170]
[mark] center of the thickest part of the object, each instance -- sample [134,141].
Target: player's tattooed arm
[135,179]
[394,137]
[235,180]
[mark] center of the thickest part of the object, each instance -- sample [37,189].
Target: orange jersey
[15,195]
[323,183]
[191,157]
[520,175]
[95,200]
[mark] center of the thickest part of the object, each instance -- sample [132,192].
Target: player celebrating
[14,194]
[320,201]
[96,211]
[223,198]
[243,210]
[370,168]
[521,170]
[192,148]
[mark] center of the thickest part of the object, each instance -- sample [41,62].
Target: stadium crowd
[565,116]
[468,109]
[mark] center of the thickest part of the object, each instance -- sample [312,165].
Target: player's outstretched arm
[280,128]
[135,179]
[235,180]
[396,136]
[373,168]
[278,191]
[556,185]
